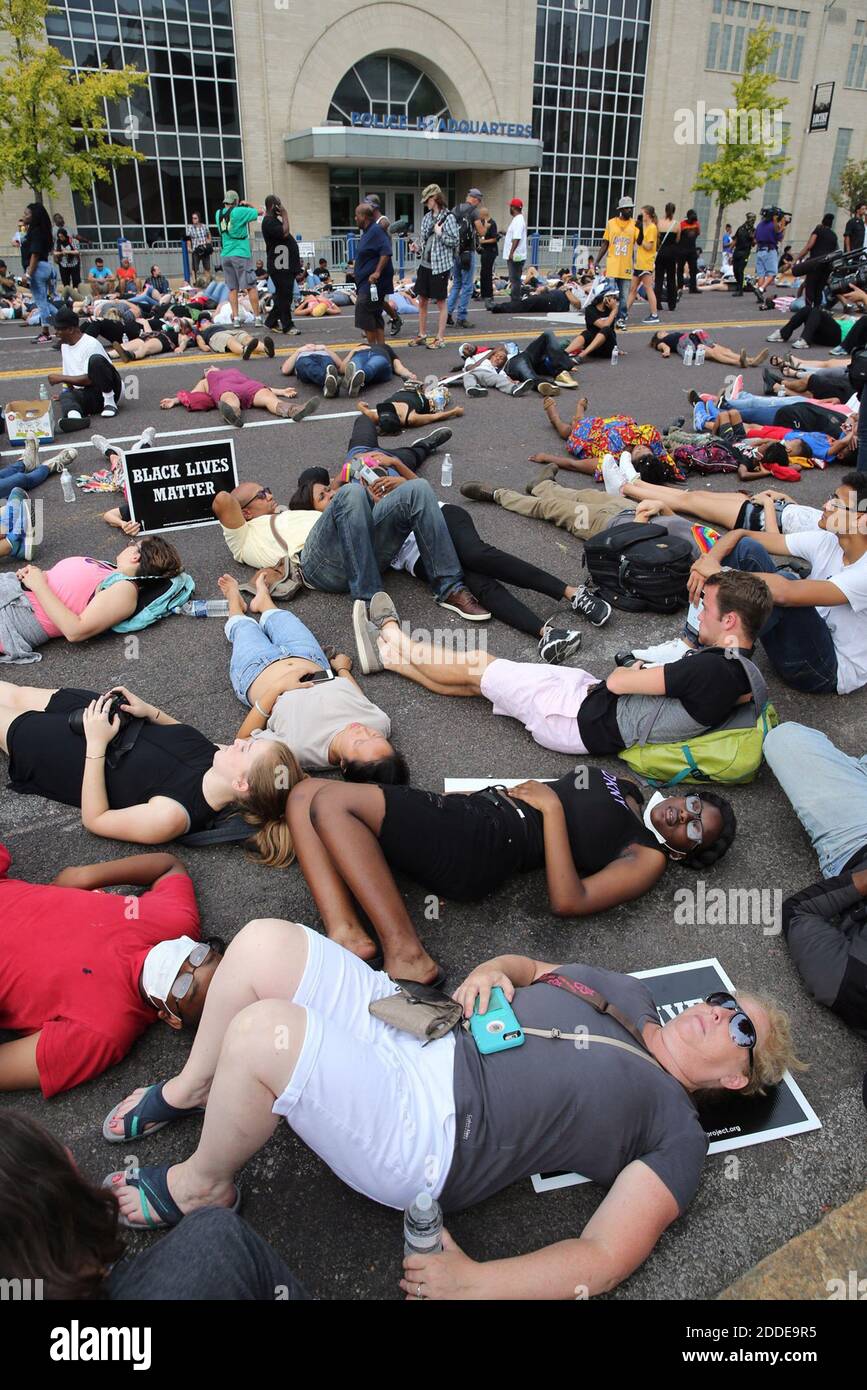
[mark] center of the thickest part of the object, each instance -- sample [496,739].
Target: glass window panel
[234,177]
[200,35]
[231,149]
[146,144]
[570,37]
[200,10]
[225,67]
[81,25]
[224,41]
[158,60]
[190,146]
[203,65]
[426,99]
[712,46]
[182,61]
[862,67]
[738,49]
[185,103]
[228,99]
[111,55]
[552,45]
[206,93]
[173,199]
[179,36]
[57,26]
[167,146]
[155,33]
[403,77]
[853,63]
[799,52]
[133,7]
[86,55]
[725,46]
[175,9]
[106,28]
[215,186]
[131,30]
[164,111]
[128,195]
[540,33]
[374,74]
[343,206]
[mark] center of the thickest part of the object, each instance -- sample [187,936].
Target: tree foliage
[853,184]
[52,121]
[752,152]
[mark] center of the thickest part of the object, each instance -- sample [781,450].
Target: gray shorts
[239,272]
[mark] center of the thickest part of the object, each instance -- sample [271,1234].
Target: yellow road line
[169,360]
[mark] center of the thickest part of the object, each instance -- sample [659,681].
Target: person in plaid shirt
[437,244]
[198,238]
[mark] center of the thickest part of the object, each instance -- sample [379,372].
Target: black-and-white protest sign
[173,487]
[733,1122]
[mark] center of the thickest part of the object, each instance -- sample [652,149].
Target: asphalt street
[339,1244]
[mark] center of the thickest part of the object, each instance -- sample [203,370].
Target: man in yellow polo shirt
[257,532]
[618,246]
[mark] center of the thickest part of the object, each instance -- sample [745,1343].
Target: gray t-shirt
[553,1107]
[307,719]
[674,525]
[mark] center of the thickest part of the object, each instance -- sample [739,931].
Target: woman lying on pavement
[161,780]
[287,1032]
[231,392]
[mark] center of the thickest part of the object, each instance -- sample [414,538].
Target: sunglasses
[694,828]
[261,496]
[183,983]
[742,1030]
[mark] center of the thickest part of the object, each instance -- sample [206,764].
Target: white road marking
[173,434]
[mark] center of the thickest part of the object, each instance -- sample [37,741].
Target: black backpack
[639,567]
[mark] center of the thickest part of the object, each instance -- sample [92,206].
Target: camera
[76,716]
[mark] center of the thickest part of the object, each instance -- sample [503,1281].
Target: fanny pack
[428,1014]
[291,582]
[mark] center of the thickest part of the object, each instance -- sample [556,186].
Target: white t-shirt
[517,232]
[307,719]
[409,553]
[797,517]
[847,622]
[74,357]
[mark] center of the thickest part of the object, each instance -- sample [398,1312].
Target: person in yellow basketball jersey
[618,246]
[645,261]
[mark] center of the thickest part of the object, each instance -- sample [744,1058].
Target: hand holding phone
[498,1029]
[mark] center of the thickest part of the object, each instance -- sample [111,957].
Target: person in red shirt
[83,973]
[126,278]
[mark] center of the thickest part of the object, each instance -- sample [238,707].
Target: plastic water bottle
[615,357]
[423,1226]
[446,475]
[689,355]
[700,355]
[43,391]
[206,608]
[67,485]
[374,292]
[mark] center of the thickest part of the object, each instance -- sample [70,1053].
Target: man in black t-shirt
[569,711]
[283,263]
[853,236]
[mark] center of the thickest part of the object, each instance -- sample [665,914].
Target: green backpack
[171,600]
[730,754]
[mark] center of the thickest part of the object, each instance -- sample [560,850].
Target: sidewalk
[829,1260]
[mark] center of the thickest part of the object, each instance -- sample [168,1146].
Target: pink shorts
[230,379]
[546,699]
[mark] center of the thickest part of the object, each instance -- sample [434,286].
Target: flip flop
[153,1189]
[151,1110]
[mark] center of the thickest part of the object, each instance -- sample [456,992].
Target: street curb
[819,1264]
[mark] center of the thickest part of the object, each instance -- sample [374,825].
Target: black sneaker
[463,323]
[396,325]
[595,609]
[450,321]
[693,397]
[557,644]
[523,387]
[436,439]
[478,492]
[477,391]
[676,424]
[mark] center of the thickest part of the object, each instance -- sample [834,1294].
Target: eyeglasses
[261,496]
[183,983]
[742,1030]
[694,828]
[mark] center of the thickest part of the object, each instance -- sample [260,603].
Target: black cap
[66,318]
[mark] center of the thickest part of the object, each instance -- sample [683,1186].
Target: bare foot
[355,939]
[418,966]
[228,587]
[262,600]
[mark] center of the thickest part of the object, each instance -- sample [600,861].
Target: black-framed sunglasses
[183,983]
[694,827]
[261,496]
[742,1030]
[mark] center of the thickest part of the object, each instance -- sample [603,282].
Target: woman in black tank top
[586,829]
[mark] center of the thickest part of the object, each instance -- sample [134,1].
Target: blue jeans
[312,367]
[39,284]
[13,475]
[757,410]
[375,365]
[217,290]
[354,540]
[256,645]
[827,789]
[623,287]
[798,641]
[462,287]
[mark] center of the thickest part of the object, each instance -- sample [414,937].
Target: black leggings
[665,280]
[484,568]
[538,358]
[856,338]
[688,257]
[70,274]
[364,434]
[820,328]
[89,399]
[739,265]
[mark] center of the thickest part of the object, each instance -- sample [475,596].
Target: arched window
[386,86]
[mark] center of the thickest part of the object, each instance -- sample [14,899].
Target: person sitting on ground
[231,392]
[216,337]
[649,1151]
[318,365]
[328,535]
[149,964]
[27,471]
[296,695]
[60,1230]
[818,329]
[90,381]
[100,279]
[589,439]
[543,365]
[79,598]
[825,925]
[411,407]
[571,711]
[815,638]
[678,343]
[170,781]
[599,337]
[127,282]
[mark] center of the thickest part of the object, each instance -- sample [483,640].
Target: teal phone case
[498,1029]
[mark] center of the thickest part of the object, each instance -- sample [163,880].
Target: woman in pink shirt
[80,597]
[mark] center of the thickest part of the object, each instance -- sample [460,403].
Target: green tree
[52,122]
[752,140]
[853,184]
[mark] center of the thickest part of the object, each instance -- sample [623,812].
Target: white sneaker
[775,337]
[101,444]
[664,653]
[31,453]
[145,439]
[800,343]
[612,475]
[627,468]
[62,460]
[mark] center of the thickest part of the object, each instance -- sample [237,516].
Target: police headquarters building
[564,103]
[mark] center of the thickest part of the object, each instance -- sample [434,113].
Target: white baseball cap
[162,965]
